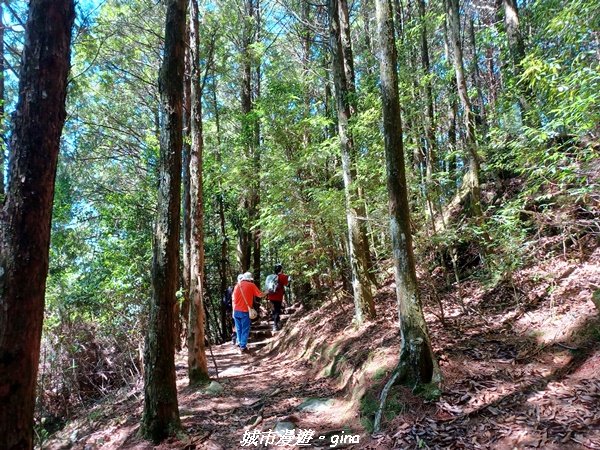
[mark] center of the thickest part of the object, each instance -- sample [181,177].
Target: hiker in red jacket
[276,284]
[243,299]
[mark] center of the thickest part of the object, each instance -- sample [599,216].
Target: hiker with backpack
[243,306]
[275,287]
[227,301]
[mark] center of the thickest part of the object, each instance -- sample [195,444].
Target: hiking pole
[213,358]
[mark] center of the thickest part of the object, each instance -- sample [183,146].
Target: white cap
[247,276]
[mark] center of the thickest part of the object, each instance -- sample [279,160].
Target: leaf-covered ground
[521,370]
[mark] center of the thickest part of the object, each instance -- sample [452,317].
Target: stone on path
[215,388]
[316,405]
[282,427]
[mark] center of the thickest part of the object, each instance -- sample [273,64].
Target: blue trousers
[242,327]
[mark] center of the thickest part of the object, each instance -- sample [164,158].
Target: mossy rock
[215,388]
[596,299]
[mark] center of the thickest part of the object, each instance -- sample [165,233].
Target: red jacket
[282,281]
[241,302]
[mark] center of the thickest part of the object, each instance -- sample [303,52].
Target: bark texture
[417,362]
[244,223]
[344,88]
[197,361]
[472,178]
[516,45]
[184,311]
[161,414]
[513,31]
[2,146]
[249,246]
[26,215]
[425,65]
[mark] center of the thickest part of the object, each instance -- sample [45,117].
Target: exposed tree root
[399,372]
[417,366]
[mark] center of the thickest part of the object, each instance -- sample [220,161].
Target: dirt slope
[521,368]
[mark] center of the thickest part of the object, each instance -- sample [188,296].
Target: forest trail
[518,373]
[262,391]
[259,391]
[431,184]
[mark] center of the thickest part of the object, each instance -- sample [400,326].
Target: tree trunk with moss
[197,361]
[417,363]
[161,414]
[26,215]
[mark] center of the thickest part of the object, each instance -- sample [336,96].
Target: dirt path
[520,371]
[256,393]
[260,391]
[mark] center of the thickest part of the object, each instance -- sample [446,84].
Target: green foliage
[368,409]
[380,374]
[507,231]
[430,392]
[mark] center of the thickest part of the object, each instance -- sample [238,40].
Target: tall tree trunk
[26,214]
[516,45]
[452,166]
[365,11]
[244,253]
[197,361]
[476,77]
[417,362]
[452,115]
[431,193]
[329,109]
[430,124]
[224,275]
[184,312]
[306,56]
[452,13]
[349,72]
[347,53]
[256,157]
[2,146]
[161,414]
[245,241]
[363,298]
[513,31]
[399,17]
